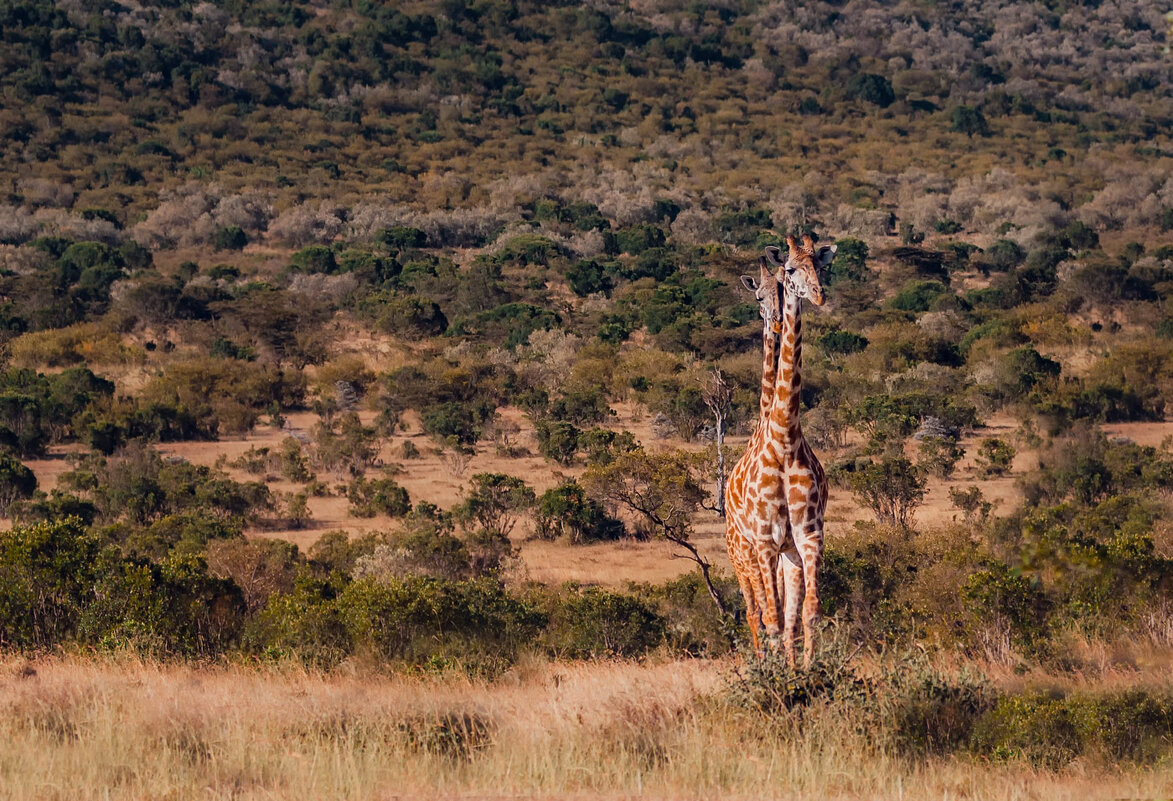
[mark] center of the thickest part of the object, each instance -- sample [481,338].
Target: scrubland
[357,397]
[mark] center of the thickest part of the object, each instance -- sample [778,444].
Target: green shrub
[462,421]
[592,623]
[557,440]
[939,455]
[639,238]
[425,621]
[231,237]
[1133,725]
[994,456]
[892,488]
[16,482]
[917,296]
[314,259]
[369,497]
[567,510]
[305,624]
[493,502]
[1007,599]
[836,341]
[58,585]
[1004,255]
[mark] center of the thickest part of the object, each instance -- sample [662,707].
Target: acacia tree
[663,491]
[488,514]
[891,488]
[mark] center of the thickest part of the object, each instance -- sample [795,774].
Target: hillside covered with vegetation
[458,276]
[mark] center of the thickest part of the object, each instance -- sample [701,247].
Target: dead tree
[718,396]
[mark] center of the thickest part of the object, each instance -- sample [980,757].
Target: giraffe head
[799,271]
[765,289]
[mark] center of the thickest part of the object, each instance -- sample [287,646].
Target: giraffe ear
[826,255]
[774,256]
[749,283]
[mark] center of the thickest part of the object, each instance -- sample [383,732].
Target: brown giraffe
[777,491]
[741,552]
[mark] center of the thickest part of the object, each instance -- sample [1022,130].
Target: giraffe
[777,492]
[741,553]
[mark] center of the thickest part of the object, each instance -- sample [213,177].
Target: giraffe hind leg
[753,617]
[812,557]
[790,577]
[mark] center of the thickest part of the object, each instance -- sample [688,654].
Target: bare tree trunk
[718,396]
[704,565]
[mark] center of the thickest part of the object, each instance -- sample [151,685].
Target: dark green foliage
[838,342]
[16,482]
[850,262]
[230,237]
[369,497]
[426,621]
[639,238]
[403,238]
[58,584]
[994,456]
[588,277]
[314,259]
[871,88]
[1051,730]
[692,623]
[566,510]
[892,488]
[917,296]
[462,421]
[1004,255]
[743,227]
[1016,600]
[581,405]
[592,623]
[557,440]
[600,445]
[969,121]
[510,324]
[408,316]
[493,503]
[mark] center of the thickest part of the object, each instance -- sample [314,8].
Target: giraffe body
[777,492]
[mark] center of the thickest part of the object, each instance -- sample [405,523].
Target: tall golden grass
[75,729]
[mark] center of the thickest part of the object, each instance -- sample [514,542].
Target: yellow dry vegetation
[81,729]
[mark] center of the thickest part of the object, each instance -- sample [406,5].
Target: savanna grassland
[359,371]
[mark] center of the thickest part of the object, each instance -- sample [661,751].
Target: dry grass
[82,729]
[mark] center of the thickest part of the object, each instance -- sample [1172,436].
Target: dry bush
[261,568]
[191,215]
[459,227]
[368,218]
[21,260]
[334,288]
[45,192]
[861,222]
[16,224]
[84,343]
[310,223]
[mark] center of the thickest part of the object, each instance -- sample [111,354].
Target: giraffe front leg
[790,568]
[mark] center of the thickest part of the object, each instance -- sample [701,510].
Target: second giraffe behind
[777,491]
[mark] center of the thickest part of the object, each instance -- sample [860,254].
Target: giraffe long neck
[771,342]
[788,386]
